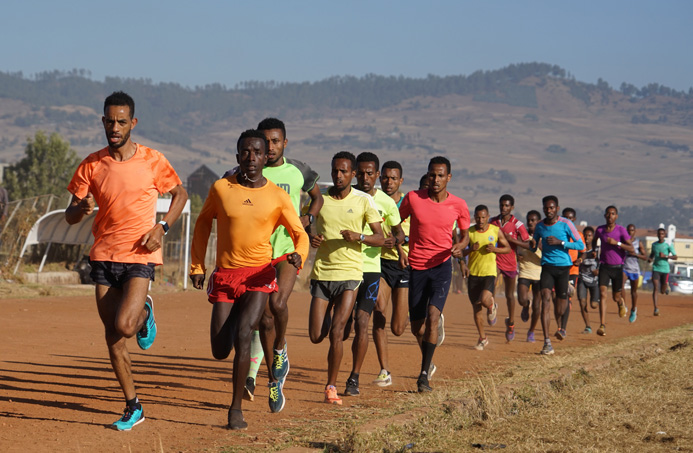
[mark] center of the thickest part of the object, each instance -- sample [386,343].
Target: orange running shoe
[331,396]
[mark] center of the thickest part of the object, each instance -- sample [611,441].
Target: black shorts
[368,292]
[108,273]
[556,277]
[394,276]
[533,284]
[475,285]
[428,286]
[662,277]
[610,272]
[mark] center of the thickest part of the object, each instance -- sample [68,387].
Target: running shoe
[530,337]
[384,379]
[483,342]
[147,334]
[276,396]
[524,315]
[587,330]
[594,304]
[249,390]
[491,316]
[441,330]
[601,331]
[622,310]
[331,396]
[130,418]
[560,334]
[656,312]
[509,330]
[432,370]
[236,420]
[422,384]
[547,349]
[352,387]
[633,315]
[280,365]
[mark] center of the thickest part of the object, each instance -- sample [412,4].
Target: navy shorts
[108,273]
[368,292]
[394,276]
[428,286]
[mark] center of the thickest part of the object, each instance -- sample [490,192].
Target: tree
[47,168]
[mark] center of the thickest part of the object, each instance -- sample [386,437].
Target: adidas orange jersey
[246,218]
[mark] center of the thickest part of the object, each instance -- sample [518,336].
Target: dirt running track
[57,392]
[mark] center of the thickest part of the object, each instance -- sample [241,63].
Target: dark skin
[611,215]
[481,218]
[367,175]
[438,178]
[657,286]
[523,291]
[276,315]
[641,255]
[390,181]
[122,310]
[232,324]
[330,317]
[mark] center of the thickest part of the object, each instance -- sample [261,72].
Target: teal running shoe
[280,365]
[276,397]
[147,334]
[130,418]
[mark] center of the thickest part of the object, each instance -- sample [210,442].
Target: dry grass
[633,395]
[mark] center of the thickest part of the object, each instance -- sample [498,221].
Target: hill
[526,129]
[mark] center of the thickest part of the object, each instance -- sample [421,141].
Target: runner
[338,267]
[588,279]
[482,269]
[555,233]
[124,179]
[660,255]
[394,281]
[615,242]
[570,214]
[293,176]
[529,278]
[248,208]
[631,270]
[433,214]
[516,234]
[366,176]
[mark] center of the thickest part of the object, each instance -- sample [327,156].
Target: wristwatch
[563,243]
[406,239]
[362,237]
[164,225]
[311,219]
[619,243]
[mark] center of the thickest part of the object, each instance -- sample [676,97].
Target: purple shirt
[612,254]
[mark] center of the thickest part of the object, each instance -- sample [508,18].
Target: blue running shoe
[130,418]
[280,365]
[147,334]
[276,396]
[633,315]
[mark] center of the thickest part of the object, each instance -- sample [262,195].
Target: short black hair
[252,133]
[533,212]
[423,180]
[611,207]
[368,157]
[548,198]
[630,225]
[346,155]
[480,207]
[272,123]
[567,211]
[586,229]
[661,229]
[392,164]
[439,160]
[507,197]
[120,98]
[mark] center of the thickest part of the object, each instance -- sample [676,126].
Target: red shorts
[227,285]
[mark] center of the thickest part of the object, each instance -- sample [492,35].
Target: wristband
[362,237]
[164,225]
[311,219]
[619,243]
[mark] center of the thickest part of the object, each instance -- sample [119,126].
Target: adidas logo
[247,202]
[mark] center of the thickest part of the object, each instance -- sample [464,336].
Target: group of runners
[374,248]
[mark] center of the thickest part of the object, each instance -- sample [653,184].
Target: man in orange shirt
[248,208]
[124,180]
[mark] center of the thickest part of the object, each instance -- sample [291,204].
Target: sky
[195,43]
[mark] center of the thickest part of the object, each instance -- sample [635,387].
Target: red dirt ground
[58,393]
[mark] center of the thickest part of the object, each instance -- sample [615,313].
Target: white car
[681,284]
